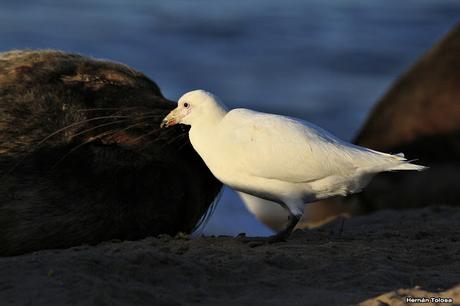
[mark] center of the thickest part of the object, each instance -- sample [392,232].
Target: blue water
[323,61]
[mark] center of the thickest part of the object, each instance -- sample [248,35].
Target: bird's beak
[169,120]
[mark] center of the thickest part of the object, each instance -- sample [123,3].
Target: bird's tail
[406,164]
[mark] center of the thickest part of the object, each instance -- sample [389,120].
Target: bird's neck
[204,135]
[218,114]
[212,118]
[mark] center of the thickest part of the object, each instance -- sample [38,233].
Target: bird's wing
[283,148]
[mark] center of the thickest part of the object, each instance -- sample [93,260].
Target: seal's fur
[116,177]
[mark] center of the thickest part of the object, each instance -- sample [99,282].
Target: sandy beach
[368,257]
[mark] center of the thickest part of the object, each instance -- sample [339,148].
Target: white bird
[281,159]
[270,213]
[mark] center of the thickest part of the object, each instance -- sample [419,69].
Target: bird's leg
[295,208]
[278,237]
[286,232]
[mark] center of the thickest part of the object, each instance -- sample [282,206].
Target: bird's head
[195,106]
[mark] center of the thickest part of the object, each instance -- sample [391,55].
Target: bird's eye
[186,105]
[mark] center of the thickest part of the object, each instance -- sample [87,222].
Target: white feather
[279,158]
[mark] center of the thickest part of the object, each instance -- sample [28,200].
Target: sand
[371,256]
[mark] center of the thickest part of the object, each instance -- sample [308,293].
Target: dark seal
[82,158]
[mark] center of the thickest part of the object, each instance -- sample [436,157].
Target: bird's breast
[206,144]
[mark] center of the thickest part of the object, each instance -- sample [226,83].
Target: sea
[325,61]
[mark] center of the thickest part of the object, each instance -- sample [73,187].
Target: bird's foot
[259,241]
[252,241]
[279,237]
[284,234]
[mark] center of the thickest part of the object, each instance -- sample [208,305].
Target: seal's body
[82,158]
